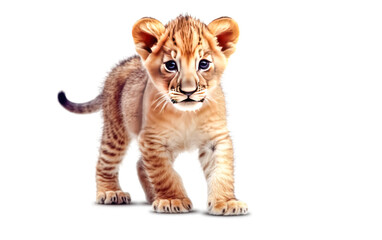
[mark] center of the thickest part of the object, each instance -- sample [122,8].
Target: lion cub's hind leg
[113,147]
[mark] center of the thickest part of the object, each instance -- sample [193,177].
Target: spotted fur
[168,112]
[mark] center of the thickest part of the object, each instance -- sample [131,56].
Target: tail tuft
[62,98]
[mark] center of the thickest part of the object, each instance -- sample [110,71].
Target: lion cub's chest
[185,134]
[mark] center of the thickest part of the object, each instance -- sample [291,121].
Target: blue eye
[171,66]
[204,64]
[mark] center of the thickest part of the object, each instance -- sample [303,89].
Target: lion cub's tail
[87,107]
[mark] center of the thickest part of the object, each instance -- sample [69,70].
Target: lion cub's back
[132,95]
[124,90]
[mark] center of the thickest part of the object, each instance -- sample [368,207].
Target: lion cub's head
[185,58]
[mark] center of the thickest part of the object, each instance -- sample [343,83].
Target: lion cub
[170,98]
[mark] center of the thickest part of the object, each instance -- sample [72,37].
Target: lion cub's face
[185,58]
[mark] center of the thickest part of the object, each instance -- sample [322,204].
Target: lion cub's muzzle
[188,100]
[178,95]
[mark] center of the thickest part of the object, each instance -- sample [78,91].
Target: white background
[304,101]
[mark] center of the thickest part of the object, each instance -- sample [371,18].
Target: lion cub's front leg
[170,195]
[216,157]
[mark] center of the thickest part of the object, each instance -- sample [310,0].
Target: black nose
[187,93]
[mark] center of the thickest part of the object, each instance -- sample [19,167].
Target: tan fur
[142,99]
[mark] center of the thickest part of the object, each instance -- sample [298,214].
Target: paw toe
[113,197]
[230,207]
[100,199]
[172,205]
[123,197]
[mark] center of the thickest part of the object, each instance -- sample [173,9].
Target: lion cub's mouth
[188,104]
[187,100]
[192,100]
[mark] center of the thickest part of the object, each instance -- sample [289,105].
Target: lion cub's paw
[113,197]
[229,207]
[172,205]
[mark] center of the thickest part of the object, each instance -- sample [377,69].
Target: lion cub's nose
[187,93]
[188,87]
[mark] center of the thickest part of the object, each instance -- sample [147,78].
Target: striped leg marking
[112,150]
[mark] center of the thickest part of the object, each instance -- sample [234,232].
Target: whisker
[209,98]
[165,103]
[159,103]
[207,101]
[163,98]
[175,93]
[158,100]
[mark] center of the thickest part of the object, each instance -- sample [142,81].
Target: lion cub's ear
[146,33]
[226,31]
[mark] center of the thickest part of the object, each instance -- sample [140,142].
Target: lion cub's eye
[204,65]
[171,66]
